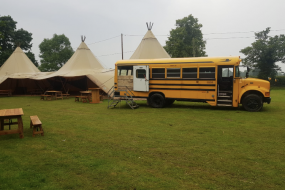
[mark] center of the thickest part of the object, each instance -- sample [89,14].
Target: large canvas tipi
[18,62]
[16,72]
[84,63]
[149,47]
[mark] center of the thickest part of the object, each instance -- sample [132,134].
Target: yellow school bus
[215,80]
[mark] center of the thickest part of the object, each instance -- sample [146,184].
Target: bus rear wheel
[157,101]
[252,102]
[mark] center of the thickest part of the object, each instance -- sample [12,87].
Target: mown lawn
[185,146]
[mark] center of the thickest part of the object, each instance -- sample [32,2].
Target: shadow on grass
[182,105]
[190,105]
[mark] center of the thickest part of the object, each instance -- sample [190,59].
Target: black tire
[169,102]
[157,101]
[252,102]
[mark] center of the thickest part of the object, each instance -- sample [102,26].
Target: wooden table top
[5,90]
[53,91]
[94,88]
[85,92]
[11,112]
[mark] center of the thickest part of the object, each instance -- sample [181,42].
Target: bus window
[189,72]
[173,72]
[227,72]
[237,71]
[158,73]
[207,73]
[130,72]
[140,73]
[125,70]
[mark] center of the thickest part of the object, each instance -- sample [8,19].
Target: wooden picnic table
[7,92]
[54,94]
[11,114]
[85,95]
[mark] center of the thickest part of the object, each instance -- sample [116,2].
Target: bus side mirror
[247,71]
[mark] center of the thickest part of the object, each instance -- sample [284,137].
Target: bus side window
[125,70]
[173,72]
[130,72]
[158,73]
[207,73]
[189,72]
[140,73]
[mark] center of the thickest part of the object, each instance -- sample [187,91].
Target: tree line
[186,40]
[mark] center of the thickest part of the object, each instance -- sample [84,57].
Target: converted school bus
[215,80]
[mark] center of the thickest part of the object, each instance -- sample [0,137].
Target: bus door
[225,85]
[141,78]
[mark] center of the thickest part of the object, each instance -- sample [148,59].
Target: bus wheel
[169,102]
[252,102]
[157,101]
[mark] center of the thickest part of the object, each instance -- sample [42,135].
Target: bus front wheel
[252,102]
[157,101]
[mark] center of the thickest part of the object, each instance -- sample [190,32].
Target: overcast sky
[100,20]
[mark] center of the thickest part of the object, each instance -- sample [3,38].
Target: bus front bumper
[267,99]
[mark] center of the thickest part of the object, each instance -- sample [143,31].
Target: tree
[264,53]
[31,56]
[55,52]
[186,40]
[10,38]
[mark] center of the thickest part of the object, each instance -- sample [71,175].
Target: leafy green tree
[55,52]
[186,40]
[10,38]
[31,56]
[264,53]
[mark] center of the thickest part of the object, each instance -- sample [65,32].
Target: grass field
[186,146]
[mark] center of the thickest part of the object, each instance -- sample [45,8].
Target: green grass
[186,146]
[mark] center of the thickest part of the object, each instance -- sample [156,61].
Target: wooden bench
[65,95]
[6,92]
[83,98]
[58,95]
[44,96]
[36,123]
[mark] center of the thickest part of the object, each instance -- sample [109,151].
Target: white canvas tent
[17,63]
[16,72]
[84,63]
[149,47]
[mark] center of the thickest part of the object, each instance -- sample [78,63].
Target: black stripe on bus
[181,79]
[189,89]
[193,100]
[134,64]
[183,84]
[177,99]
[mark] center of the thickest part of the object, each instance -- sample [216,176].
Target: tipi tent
[16,72]
[84,63]
[149,47]
[18,62]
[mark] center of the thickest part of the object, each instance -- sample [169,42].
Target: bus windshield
[241,71]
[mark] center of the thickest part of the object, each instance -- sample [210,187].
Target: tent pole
[62,84]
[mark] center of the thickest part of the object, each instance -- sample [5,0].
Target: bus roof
[230,60]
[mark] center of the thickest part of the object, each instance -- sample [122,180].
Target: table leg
[20,127]
[1,124]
